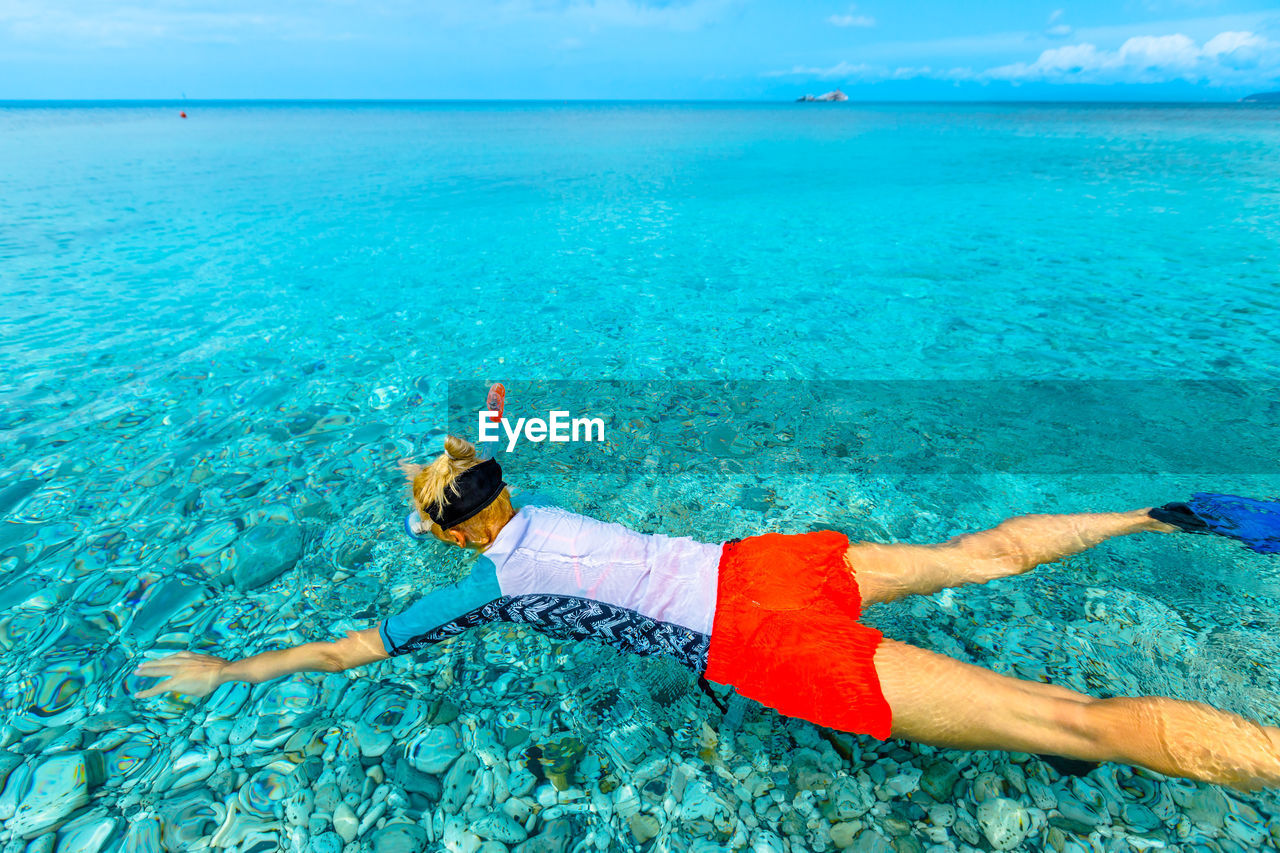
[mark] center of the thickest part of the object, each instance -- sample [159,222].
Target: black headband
[477,487]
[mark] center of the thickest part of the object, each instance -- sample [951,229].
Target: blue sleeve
[440,607]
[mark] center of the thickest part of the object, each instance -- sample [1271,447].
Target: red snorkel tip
[495,401]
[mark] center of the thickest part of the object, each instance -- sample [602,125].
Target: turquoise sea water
[218,334]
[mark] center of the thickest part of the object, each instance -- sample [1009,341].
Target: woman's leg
[886,572]
[943,702]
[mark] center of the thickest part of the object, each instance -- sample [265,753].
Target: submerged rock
[499,827]
[190,817]
[142,836]
[902,784]
[521,782]
[696,801]
[763,841]
[415,781]
[1004,822]
[1075,816]
[89,833]
[628,742]
[850,798]
[907,844]
[1138,817]
[942,814]
[163,602]
[457,784]
[558,759]
[554,838]
[263,553]
[1249,833]
[843,834]
[434,751]
[259,795]
[345,822]
[939,779]
[987,786]
[399,838]
[297,808]
[1205,806]
[1041,794]
[643,827]
[870,841]
[56,788]
[326,842]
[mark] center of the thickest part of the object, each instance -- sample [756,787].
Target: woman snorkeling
[777,617]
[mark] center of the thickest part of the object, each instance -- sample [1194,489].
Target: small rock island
[836,95]
[1261,98]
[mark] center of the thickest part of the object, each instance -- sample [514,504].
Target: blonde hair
[437,482]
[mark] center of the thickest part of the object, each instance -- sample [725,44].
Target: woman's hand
[200,675]
[185,672]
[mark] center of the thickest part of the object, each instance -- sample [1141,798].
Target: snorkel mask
[474,489]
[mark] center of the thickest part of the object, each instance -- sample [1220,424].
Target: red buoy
[182,115]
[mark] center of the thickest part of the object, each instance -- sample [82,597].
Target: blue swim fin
[1253,522]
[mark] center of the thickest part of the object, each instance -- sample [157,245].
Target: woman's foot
[1172,518]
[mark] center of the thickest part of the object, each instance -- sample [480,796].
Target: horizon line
[850,101]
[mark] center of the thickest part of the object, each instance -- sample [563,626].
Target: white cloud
[1231,42]
[1227,58]
[1155,53]
[844,70]
[679,15]
[1242,52]
[1054,29]
[863,72]
[849,19]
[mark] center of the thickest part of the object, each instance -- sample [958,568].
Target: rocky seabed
[252,537]
[506,742]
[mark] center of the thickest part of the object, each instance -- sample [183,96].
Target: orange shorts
[786,632]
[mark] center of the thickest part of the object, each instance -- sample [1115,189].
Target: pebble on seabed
[51,792]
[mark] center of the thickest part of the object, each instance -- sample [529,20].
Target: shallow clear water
[238,322]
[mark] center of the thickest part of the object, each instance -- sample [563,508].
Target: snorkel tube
[495,402]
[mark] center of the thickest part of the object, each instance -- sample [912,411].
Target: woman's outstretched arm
[200,675]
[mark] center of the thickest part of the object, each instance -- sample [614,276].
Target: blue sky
[730,49]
